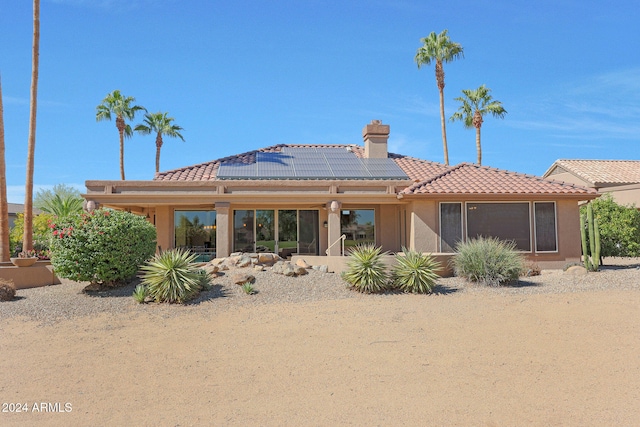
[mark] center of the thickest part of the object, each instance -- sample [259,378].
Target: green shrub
[7,290]
[619,227]
[488,260]
[248,289]
[415,272]
[204,279]
[172,277]
[140,293]
[366,272]
[102,247]
[41,234]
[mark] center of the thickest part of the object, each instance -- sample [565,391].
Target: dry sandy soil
[478,357]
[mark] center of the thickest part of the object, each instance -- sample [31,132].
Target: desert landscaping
[554,349]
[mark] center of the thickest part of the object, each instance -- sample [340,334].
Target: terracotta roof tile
[416,169]
[601,171]
[467,178]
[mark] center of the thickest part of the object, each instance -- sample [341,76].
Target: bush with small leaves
[366,271]
[415,272]
[488,260]
[7,290]
[172,276]
[102,247]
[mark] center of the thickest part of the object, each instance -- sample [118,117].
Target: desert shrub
[172,277]
[140,293]
[204,279]
[414,272]
[619,227]
[248,289]
[366,272]
[104,247]
[488,260]
[7,290]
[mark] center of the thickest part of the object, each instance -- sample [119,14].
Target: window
[505,221]
[450,226]
[545,226]
[196,230]
[358,225]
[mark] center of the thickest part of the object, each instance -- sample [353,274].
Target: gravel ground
[52,304]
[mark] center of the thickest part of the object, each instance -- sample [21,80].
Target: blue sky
[240,75]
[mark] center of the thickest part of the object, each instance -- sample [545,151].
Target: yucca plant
[415,272]
[247,287]
[140,293]
[488,260]
[366,272]
[204,279]
[171,276]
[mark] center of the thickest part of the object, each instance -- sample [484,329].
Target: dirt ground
[469,359]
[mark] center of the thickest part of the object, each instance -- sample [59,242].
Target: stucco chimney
[375,136]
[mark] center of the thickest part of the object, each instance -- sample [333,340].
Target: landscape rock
[241,278]
[300,271]
[244,261]
[302,263]
[576,270]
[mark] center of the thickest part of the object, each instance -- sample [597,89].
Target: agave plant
[415,272]
[366,271]
[248,289]
[171,276]
[140,293]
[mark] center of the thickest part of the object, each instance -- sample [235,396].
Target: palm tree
[473,106]
[120,106]
[159,123]
[439,48]
[27,238]
[4,206]
[63,206]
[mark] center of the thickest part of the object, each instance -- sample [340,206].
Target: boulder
[210,268]
[302,263]
[576,270]
[244,261]
[242,278]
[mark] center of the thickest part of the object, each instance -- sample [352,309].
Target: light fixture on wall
[325,224]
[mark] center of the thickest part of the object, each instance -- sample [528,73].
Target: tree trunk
[478,146]
[477,123]
[27,239]
[121,126]
[4,205]
[158,147]
[443,125]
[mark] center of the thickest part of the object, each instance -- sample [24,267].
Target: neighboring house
[620,178]
[14,210]
[300,199]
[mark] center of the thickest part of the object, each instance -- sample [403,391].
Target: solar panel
[310,163]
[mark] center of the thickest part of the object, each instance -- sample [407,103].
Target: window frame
[555,224]
[462,223]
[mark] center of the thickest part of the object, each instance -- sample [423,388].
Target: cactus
[591,253]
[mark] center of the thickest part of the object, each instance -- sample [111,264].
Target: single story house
[313,200]
[619,178]
[15,209]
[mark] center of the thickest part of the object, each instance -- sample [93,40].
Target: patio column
[333,220]
[223,237]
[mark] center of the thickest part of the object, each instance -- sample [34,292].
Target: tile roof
[467,178]
[601,171]
[416,169]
